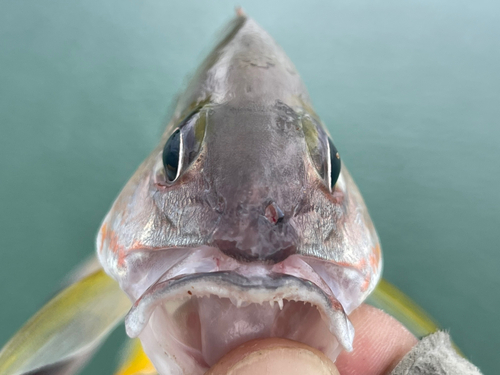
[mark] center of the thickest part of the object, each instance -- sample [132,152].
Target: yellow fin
[70,325]
[135,361]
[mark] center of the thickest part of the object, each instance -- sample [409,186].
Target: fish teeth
[280,304]
[271,303]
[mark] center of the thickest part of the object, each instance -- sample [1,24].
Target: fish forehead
[256,153]
[247,66]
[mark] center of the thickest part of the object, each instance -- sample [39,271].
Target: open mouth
[188,322]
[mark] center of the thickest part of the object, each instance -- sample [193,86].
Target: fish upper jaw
[208,304]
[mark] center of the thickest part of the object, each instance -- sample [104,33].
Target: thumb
[274,356]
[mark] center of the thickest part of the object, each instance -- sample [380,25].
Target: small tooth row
[242,303]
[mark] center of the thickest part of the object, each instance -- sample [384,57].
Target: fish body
[243,223]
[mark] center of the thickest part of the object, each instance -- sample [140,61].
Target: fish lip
[257,289]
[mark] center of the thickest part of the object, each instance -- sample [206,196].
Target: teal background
[409,90]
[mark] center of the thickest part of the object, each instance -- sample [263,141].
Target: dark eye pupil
[335,164]
[171,153]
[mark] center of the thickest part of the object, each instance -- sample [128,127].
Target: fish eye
[171,155]
[323,153]
[334,164]
[183,146]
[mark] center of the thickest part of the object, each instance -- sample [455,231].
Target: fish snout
[266,236]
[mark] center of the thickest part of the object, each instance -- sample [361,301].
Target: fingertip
[274,356]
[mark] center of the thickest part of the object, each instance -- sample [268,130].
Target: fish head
[243,223]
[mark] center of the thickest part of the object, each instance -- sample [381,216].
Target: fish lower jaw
[187,325]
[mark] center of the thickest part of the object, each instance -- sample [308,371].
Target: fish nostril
[273,213]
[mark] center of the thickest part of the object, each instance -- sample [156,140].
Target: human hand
[380,343]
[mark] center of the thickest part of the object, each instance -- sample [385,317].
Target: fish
[243,223]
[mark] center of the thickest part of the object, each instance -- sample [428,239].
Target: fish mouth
[189,322]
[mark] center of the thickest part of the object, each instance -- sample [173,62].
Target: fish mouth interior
[188,323]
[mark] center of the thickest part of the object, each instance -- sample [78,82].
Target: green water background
[409,90]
